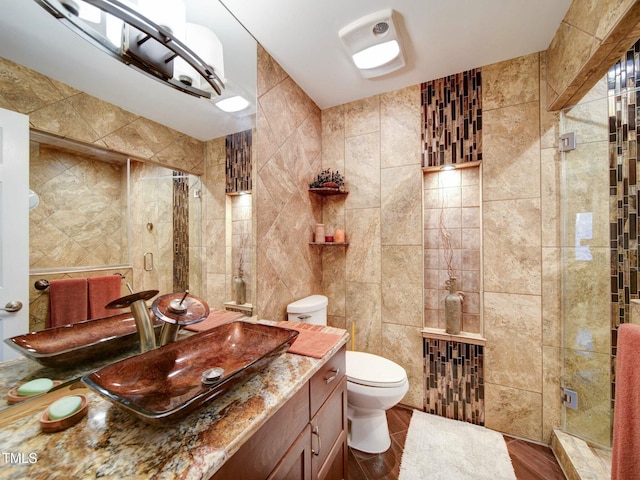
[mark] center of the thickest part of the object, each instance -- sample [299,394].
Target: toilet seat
[374,371]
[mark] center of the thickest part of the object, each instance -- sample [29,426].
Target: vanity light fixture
[151,45]
[448,167]
[374,43]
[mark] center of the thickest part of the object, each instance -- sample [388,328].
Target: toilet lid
[374,371]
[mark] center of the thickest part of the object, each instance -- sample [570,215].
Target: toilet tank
[312,309]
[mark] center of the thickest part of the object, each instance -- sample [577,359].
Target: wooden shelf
[329,244]
[326,192]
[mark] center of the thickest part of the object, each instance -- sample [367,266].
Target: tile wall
[81,218]
[376,282]
[452,117]
[454,383]
[288,155]
[452,201]
[238,162]
[590,38]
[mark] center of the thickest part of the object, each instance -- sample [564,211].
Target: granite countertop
[112,444]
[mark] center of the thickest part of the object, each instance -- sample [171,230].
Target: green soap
[34,387]
[64,407]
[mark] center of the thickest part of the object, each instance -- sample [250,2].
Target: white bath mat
[438,448]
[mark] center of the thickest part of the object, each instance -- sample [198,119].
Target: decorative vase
[240,290]
[453,307]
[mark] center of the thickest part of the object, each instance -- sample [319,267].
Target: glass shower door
[587,282]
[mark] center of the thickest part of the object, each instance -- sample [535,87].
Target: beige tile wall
[56,108]
[452,199]
[376,282]
[591,38]
[81,218]
[288,157]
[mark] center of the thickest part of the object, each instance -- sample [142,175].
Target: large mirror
[151,136]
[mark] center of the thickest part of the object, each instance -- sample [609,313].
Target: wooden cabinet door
[296,464]
[329,436]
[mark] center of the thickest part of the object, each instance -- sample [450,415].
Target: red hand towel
[215,318]
[310,342]
[67,301]
[625,460]
[102,290]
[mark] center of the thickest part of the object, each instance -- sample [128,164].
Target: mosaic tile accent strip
[180,231]
[454,380]
[238,162]
[622,81]
[452,119]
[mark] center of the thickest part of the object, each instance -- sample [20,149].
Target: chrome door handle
[12,306]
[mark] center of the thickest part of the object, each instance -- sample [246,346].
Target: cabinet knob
[335,372]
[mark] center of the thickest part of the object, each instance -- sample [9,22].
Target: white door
[14,227]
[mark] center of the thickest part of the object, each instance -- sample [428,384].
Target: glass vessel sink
[169,382]
[68,345]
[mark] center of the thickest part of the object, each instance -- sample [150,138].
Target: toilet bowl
[374,385]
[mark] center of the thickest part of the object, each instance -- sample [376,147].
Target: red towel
[625,460]
[101,291]
[215,318]
[310,342]
[67,301]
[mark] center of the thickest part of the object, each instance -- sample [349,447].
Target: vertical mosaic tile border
[238,162]
[454,380]
[180,231]
[622,81]
[452,119]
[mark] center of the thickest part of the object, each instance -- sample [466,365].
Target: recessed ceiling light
[232,104]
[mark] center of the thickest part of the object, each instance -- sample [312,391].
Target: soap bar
[34,387]
[64,407]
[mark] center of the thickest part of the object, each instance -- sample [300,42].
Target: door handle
[12,306]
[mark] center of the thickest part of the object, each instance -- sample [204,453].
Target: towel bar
[43,283]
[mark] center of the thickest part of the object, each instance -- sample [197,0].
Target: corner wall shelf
[326,192]
[330,244]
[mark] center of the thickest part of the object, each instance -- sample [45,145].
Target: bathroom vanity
[289,421]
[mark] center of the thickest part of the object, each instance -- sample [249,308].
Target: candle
[320,233]
[338,236]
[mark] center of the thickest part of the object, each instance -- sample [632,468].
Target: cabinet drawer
[326,379]
[328,429]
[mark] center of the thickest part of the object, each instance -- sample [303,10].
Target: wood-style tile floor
[530,461]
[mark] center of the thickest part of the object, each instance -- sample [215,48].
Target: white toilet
[374,384]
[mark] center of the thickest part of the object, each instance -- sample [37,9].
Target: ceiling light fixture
[148,37]
[232,104]
[374,43]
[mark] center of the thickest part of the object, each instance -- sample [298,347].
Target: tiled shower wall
[81,220]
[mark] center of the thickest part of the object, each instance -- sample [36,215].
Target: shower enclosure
[599,245]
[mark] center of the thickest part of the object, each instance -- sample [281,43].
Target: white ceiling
[441,37]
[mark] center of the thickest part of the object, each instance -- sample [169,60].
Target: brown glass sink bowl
[68,345]
[163,385]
